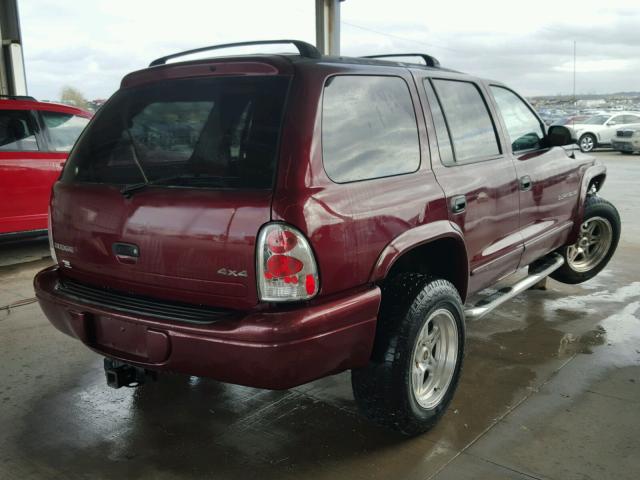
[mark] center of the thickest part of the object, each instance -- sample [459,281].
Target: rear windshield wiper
[214,181]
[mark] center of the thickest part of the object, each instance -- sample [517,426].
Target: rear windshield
[209,133]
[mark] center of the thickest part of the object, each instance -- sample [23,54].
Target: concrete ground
[550,390]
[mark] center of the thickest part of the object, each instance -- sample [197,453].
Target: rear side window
[523,126]
[471,128]
[369,128]
[631,119]
[211,133]
[17,131]
[62,129]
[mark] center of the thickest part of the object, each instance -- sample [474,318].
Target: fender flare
[595,170]
[416,237]
[588,132]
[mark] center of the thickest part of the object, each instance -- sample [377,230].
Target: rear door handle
[525,183]
[458,204]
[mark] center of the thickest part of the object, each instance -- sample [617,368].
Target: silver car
[627,140]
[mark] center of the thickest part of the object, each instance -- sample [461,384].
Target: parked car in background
[35,139]
[598,130]
[572,120]
[550,117]
[627,140]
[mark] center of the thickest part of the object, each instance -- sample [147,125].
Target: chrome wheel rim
[586,143]
[434,358]
[592,246]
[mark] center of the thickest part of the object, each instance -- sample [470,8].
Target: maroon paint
[357,232]
[184,235]
[276,349]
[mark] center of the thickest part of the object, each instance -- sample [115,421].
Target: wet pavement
[550,390]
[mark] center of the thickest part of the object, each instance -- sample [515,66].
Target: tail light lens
[50,233]
[286,270]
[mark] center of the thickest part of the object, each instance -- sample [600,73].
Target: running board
[540,271]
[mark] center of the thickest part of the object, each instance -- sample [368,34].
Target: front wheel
[597,241]
[417,358]
[587,142]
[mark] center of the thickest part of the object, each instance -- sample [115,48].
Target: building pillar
[13,80]
[328,26]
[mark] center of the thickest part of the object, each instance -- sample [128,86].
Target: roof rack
[428,59]
[19,97]
[306,49]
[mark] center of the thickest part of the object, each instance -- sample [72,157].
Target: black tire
[595,207]
[587,143]
[383,389]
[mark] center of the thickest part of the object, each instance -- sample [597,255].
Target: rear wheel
[587,142]
[417,359]
[596,244]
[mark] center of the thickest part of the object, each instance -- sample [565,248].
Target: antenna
[575,101]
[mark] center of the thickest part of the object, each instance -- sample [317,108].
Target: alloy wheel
[592,246]
[434,358]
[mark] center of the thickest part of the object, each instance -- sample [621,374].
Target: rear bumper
[270,349]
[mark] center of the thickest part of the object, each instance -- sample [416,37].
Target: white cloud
[606,65]
[91,45]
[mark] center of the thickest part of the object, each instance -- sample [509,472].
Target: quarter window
[470,126]
[369,128]
[17,132]
[62,129]
[523,127]
[631,119]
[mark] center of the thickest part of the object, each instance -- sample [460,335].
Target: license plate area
[113,334]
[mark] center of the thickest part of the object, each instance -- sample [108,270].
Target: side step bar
[537,273]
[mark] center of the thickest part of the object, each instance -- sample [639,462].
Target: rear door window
[369,128]
[442,134]
[62,129]
[471,128]
[17,131]
[210,133]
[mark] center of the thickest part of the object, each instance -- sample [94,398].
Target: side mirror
[560,136]
[611,123]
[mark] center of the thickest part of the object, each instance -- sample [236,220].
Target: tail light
[286,270]
[50,233]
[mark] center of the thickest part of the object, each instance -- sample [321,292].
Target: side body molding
[416,237]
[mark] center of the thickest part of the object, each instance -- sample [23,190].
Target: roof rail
[305,49]
[428,59]
[19,97]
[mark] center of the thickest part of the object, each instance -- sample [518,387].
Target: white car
[598,130]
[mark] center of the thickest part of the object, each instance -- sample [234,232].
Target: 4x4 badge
[232,273]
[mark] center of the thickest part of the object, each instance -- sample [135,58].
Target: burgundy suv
[268,220]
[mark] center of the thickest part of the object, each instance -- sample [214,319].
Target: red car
[269,220]
[35,139]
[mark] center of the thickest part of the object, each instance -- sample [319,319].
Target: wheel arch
[594,176]
[589,132]
[437,248]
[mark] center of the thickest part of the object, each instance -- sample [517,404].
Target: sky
[91,45]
